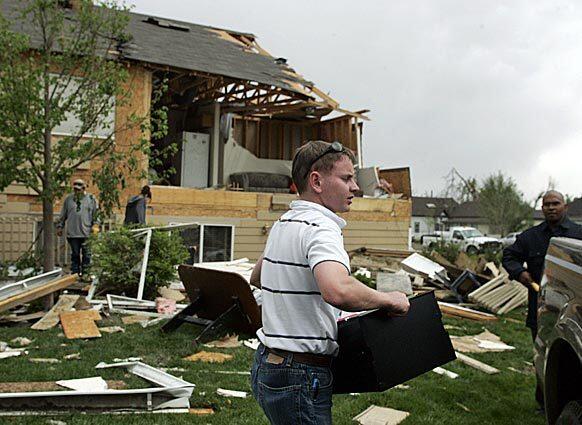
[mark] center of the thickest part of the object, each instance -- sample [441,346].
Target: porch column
[214,148]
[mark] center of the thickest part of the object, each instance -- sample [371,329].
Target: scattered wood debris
[442,371]
[111,329]
[229,341]
[209,357]
[80,324]
[129,320]
[483,367]
[21,341]
[73,356]
[231,393]
[252,343]
[464,312]
[51,318]
[43,360]
[201,411]
[484,342]
[376,415]
[500,295]
[171,294]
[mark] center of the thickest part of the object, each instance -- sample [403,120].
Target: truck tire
[472,250]
[571,414]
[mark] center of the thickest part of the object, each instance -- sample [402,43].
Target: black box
[378,352]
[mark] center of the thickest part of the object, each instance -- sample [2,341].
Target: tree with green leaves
[503,204]
[60,65]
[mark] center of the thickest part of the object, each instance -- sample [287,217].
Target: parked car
[558,345]
[509,239]
[470,239]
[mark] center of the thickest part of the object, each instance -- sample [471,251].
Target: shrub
[449,250]
[117,260]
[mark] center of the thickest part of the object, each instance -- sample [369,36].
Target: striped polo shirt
[295,316]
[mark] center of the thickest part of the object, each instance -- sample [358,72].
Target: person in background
[524,260]
[135,210]
[79,212]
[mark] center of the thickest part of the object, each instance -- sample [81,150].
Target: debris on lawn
[252,343]
[442,371]
[399,281]
[21,341]
[229,341]
[130,320]
[376,415]
[171,294]
[201,411]
[93,384]
[476,364]
[51,318]
[80,324]
[111,329]
[464,312]
[73,356]
[43,360]
[165,305]
[209,357]
[231,393]
[484,342]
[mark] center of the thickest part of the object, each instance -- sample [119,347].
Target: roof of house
[426,206]
[469,209]
[192,47]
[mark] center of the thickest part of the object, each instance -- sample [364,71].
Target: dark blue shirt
[530,247]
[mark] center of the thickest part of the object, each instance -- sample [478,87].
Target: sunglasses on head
[334,147]
[78,185]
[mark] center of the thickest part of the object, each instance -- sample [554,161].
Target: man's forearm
[355,296]
[256,273]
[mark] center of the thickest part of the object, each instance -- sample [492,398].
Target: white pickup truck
[470,239]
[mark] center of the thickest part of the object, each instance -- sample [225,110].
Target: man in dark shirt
[530,247]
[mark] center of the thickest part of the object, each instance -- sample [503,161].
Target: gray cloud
[481,86]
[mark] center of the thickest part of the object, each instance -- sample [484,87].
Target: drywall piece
[80,324]
[21,341]
[231,393]
[252,343]
[7,354]
[376,415]
[445,372]
[94,384]
[389,282]
[482,343]
[474,363]
[51,319]
[416,263]
[368,180]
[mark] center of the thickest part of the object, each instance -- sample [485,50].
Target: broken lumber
[38,292]
[464,312]
[51,319]
[474,363]
[80,324]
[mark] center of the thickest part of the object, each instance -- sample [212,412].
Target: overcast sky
[482,86]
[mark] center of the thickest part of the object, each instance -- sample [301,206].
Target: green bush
[449,250]
[117,259]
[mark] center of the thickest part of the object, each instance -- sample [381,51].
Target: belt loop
[263,348]
[289,360]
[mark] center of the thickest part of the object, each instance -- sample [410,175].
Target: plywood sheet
[80,324]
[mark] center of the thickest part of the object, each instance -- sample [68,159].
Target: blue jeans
[291,392]
[79,245]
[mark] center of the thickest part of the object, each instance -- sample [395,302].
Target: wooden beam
[38,292]
[470,361]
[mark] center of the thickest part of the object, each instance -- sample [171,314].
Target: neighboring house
[430,214]
[469,214]
[575,210]
[233,108]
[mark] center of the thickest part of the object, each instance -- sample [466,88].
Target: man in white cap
[80,212]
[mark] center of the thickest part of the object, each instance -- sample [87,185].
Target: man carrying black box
[304,274]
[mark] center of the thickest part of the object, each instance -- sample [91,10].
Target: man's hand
[398,304]
[95,229]
[59,232]
[526,279]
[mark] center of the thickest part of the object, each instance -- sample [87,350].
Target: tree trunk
[48,235]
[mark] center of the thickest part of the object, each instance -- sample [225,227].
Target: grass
[473,398]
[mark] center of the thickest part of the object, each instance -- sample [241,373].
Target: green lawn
[505,398]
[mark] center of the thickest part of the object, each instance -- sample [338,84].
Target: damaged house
[237,114]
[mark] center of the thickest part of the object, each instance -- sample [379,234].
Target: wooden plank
[80,324]
[38,292]
[51,319]
[470,361]
[466,313]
